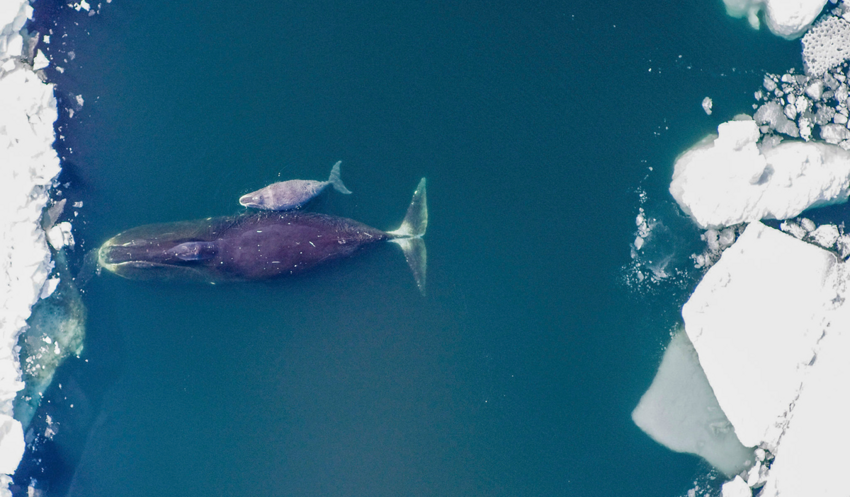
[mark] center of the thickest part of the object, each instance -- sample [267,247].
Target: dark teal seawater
[516,375]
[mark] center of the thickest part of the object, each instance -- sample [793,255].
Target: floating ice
[834,133]
[736,488]
[786,18]
[40,61]
[60,236]
[706,105]
[812,459]
[778,118]
[727,180]
[755,320]
[825,235]
[680,412]
[826,45]
[29,164]
[11,444]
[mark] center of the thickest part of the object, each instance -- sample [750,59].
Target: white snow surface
[727,179]
[786,18]
[755,320]
[29,165]
[811,460]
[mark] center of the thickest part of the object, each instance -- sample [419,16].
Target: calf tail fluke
[336,181]
[409,235]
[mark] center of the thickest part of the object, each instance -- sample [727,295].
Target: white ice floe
[728,179]
[826,45]
[707,104]
[60,235]
[812,459]
[736,488]
[786,18]
[755,320]
[11,447]
[29,165]
[40,61]
[681,412]
[770,326]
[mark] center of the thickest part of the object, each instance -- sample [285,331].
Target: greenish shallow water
[516,375]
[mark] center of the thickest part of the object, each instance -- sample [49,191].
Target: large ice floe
[786,18]
[730,179]
[29,165]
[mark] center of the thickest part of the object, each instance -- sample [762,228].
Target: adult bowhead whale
[257,246]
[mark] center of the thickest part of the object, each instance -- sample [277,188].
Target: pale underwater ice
[680,411]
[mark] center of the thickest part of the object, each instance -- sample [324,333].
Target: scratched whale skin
[257,246]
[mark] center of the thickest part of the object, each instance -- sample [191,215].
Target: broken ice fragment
[706,105]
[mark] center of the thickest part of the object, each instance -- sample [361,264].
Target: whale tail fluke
[336,180]
[409,235]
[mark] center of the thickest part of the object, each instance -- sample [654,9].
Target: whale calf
[292,194]
[258,245]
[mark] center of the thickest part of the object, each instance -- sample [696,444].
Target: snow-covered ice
[707,104]
[727,180]
[786,18]
[811,460]
[27,113]
[755,320]
[825,45]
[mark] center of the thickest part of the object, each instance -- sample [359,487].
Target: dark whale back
[247,247]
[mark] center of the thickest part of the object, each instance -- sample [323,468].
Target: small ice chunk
[11,444]
[49,287]
[793,229]
[805,127]
[769,83]
[736,488]
[835,133]
[77,205]
[808,225]
[706,105]
[802,104]
[825,235]
[79,99]
[790,112]
[773,114]
[40,61]
[815,90]
[824,115]
[60,235]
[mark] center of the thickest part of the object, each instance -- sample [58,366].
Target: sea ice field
[636,248]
